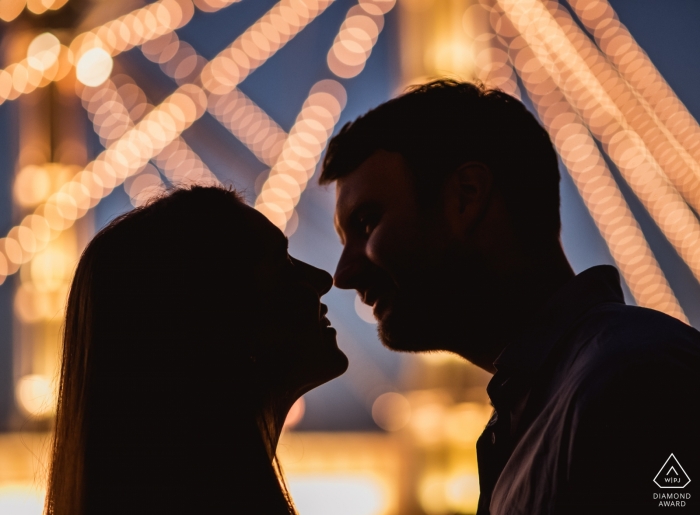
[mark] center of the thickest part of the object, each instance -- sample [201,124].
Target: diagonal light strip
[581,88]
[178,161]
[676,162]
[115,36]
[249,123]
[118,120]
[258,43]
[234,110]
[301,152]
[595,183]
[122,159]
[314,125]
[616,42]
[221,76]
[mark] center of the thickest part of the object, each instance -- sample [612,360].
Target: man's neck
[519,297]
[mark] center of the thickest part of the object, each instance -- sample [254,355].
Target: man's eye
[367,224]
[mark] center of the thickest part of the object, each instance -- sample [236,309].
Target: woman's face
[295,337]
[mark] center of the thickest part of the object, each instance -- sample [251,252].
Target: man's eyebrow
[284,246]
[338,229]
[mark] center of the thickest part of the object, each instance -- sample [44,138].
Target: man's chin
[397,335]
[440,328]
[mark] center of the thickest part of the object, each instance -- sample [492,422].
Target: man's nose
[347,270]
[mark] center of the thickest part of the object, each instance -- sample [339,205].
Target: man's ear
[473,184]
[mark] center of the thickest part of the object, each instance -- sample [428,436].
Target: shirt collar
[594,286]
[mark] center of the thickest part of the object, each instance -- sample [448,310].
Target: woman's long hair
[159,401]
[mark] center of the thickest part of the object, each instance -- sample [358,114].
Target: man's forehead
[375,179]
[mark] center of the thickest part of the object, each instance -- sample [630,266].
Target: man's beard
[451,306]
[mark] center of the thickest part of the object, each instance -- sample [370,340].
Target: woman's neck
[271,422]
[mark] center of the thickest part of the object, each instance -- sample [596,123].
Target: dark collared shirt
[589,405]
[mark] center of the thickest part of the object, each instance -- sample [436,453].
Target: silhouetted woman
[189,334]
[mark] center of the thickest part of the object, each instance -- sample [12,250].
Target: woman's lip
[329,333]
[327,329]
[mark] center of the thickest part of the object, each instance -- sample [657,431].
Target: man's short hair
[445,123]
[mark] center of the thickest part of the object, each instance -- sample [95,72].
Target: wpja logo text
[672,498]
[672,475]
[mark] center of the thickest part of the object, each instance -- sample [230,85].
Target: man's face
[414,265]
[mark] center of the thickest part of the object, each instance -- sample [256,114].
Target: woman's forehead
[267,239]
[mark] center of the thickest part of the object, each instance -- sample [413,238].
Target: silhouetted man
[448,210]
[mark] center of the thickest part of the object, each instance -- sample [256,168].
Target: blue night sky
[666,30]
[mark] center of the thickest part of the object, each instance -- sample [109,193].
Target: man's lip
[379,308]
[325,322]
[370,298]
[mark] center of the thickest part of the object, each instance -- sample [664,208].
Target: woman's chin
[335,358]
[327,367]
[343,364]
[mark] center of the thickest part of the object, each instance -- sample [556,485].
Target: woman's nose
[321,280]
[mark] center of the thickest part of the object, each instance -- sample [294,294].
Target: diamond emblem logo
[671,474]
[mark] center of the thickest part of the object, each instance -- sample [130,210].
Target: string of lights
[135,28]
[356,37]
[492,67]
[302,149]
[258,43]
[114,107]
[47,60]
[121,159]
[594,181]
[681,168]
[90,52]
[10,9]
[314,125]
[624,146]
[491,61]
[250,124]
[132,151]
[618,45]
[234,110]
[178,162]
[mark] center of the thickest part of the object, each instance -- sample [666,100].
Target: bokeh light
[583,93]
[341,494]
[626,148]
[21,499]
[358,34]
[301,152]
[391,411]
[296,413]
[364,311]
[10,9]
[258,43]
[43,51]
[94,67]
[36,395]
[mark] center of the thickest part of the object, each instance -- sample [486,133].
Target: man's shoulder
[616,334]
[632,397]
[631,349]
